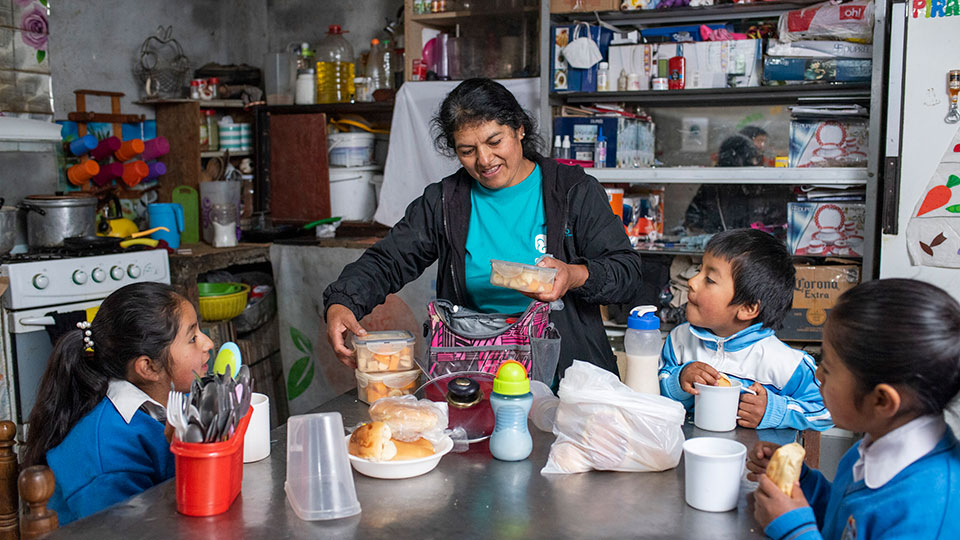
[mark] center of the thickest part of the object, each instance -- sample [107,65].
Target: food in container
[522,277]
[373,386]
[385,351]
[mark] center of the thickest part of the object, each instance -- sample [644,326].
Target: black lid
[463,392]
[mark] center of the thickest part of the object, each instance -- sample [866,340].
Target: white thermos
[642,343]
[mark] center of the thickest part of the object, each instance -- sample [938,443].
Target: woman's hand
[339,320]
[769,502]
[758,458]
[569,276]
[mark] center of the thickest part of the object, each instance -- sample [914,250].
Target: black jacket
[581,229]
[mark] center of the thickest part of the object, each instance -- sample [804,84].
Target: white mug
[715,407]
[713,468]
[256,442]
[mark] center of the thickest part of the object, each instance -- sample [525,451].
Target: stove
[55,281]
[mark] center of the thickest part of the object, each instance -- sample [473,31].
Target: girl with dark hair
[99,418]
[506,202]
[891,363]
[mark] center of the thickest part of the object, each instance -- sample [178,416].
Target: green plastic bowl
[218,289]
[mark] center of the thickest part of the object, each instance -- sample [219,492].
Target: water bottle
[600,151]
[511,401]
[642,343]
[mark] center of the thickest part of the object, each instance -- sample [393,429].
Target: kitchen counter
[469,495]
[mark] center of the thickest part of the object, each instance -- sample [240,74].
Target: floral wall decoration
[25,86]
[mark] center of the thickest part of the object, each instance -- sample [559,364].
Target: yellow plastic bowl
[225,307]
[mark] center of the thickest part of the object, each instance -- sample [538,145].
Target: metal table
[469,495]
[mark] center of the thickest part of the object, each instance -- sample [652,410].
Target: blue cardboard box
[791,69]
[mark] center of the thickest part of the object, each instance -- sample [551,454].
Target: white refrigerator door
[930,51]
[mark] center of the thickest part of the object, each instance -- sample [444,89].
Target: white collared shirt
[882,459]
[128,399]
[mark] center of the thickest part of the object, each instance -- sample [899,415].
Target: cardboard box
[825,228]
[577,6]
[792,69]
[828,143]
[630,141]
[816,291]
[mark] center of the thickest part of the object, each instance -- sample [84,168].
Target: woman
[506,202]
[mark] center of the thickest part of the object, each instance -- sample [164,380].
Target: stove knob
[98,275]
[116,273]
[40,281]
[133,271]
[79,277]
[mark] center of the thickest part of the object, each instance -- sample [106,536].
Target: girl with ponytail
[99,418]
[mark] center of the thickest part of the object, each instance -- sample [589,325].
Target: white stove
[45,284]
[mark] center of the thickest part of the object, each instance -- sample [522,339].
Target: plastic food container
[522,277]
[373,386]
[385,351]
[209,475]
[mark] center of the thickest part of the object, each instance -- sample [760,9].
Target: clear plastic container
[385,351]
[319,478]
[373,386]
[280,75]
[522,277]
[335,68]
[378,66]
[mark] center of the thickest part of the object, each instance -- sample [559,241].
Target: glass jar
[213,133]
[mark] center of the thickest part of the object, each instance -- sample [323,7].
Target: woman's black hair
[900,332]
[753,132]
[475,101]
[141,319]
[739,151]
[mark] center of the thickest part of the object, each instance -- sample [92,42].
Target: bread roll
[412,450]
[404,417]
[723,381]
[372,441]
[785,466]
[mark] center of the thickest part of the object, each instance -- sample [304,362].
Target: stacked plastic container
[385,365]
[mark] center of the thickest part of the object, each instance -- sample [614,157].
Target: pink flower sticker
[33,27]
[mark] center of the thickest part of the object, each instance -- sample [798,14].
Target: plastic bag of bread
[410,419]
[604,425]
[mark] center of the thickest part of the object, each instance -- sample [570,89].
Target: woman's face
[492,153]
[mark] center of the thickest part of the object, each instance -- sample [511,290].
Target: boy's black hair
[763,272]
[899,332]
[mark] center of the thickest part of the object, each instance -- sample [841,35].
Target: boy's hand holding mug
[698,372]
[752,406]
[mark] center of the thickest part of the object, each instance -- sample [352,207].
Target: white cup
[715,407]
[713,468]
[256,442]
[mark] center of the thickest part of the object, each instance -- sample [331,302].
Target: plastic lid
[334,29]
[374,41]
[643,318]
[463,392]
[511,379]
[385,336]
[600,137]
[604,65]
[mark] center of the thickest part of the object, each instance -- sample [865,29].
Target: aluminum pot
[51,218]
[8,227]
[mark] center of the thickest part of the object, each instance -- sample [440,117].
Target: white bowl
[407,468]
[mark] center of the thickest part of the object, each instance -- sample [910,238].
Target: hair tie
[87,334]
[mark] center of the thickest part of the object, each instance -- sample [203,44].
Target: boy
[743,290]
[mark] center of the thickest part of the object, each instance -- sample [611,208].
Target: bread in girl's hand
[372,441]
[785,466]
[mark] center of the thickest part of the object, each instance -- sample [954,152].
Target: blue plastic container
[169,215]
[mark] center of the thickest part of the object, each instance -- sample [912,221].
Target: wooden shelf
[218,153]
[709,97]
[204,104]
[724,12]
[333,108]
[850,176]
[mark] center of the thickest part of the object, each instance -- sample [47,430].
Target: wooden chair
[34,485]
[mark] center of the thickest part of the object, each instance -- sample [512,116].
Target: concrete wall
[94,45]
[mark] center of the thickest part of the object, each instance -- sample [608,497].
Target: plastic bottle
[557,147]
[565,148]
[600,151]
[511,401]
[543,413]
[603,77]
[335,68]
[622,81]
[643,343]
[376,70]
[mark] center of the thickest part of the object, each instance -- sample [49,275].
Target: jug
[642,343]
[169,215]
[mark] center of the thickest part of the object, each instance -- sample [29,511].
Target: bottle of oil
[335,68]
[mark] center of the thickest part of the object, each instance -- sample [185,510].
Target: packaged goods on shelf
[717,64]
[630,141]
[573,6]
[849,21]
[820,49]
[680,34]
[566,78]
[785,69]
[828,143]
[825,229]
[638,58]
[643,213]
[815,293]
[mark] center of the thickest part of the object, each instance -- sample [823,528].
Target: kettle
[116,226]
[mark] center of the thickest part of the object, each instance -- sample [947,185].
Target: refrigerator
[920,192]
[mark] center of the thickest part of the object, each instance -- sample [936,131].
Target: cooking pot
[51,218]
[8,227]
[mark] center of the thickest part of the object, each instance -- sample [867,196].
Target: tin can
[660,83]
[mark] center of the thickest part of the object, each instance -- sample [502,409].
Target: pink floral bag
[460,339]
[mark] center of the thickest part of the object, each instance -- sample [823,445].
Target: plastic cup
[543,412]
[319,482]
[256,443]
[713,468]
[715,407]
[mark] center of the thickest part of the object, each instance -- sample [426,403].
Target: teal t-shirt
[508,224]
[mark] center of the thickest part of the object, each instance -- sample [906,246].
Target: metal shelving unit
[711,97]
[840,176]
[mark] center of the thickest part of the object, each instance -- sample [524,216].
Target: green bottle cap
[511,379]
